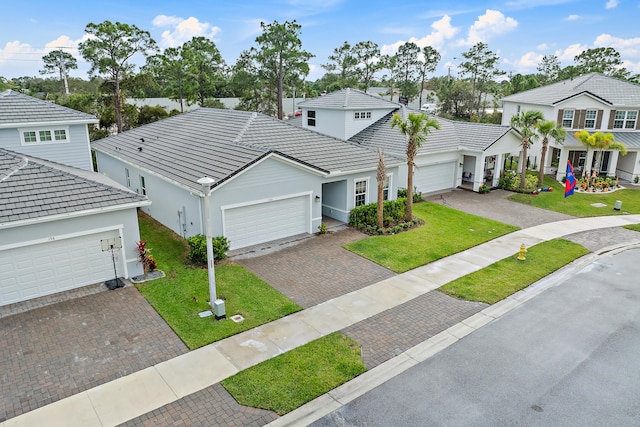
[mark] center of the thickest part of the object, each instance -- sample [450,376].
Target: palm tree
[525,123]
[600,142]
[548,129]
[381,177]
[415,128]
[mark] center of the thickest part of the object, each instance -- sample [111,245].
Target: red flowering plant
[145,258]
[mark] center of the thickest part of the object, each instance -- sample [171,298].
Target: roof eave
[49,123]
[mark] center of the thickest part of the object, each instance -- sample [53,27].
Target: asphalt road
[569,357]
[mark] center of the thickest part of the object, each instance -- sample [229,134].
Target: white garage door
[432,178]
[60,265]
[262,222]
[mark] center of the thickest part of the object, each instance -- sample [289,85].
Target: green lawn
[296,377]
[184,292]
[445,232]
[580,203]
[505,277]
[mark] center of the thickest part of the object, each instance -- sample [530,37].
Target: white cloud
[493,23]
[572,18]
[542,46]
[570,52]
[529,60]
[25,60]
[442,31]
[182,30]
[611,4]
[626,47]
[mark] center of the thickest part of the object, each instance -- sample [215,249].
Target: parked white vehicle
[428,108]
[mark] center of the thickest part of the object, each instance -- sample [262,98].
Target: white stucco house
[54,215]
[272,179]
[592,102]
[458,154]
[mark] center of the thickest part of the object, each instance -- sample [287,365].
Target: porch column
[613,162]
[498,169]
[588,163]
[478,173]
[562,164]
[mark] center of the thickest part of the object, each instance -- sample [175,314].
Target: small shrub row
[366,215]
[395,229]
[417,195]
[198,248]
[510,180]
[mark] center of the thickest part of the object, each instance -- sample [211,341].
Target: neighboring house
[53,219]
[272,179]
[459,154]
[43,129]
[593,102]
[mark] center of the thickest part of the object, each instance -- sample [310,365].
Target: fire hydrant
[523,251]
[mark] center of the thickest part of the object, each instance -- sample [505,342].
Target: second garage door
[432,178]
[45,268]
[256,223]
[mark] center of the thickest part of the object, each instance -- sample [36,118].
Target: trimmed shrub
[198,248]
[417,195]
[365,215]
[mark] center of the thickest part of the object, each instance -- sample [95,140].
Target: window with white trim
[44,136]
[143,186]
[385,189]
[590,119]
[567,119]
[360,192]
[625,119]
[127,177]
[311,118]
[362,115]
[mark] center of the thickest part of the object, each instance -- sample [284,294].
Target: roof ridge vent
[245,128]
[15,168]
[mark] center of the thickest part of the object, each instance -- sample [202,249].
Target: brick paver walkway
[56,351]
[394,331]
[317,269]
[210,407]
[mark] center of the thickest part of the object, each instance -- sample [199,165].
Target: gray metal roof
[17,108]
[348,99]
[222,143]
[630,139]
[609,90]
[452,135]
[33,188]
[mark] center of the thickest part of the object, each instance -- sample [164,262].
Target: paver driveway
[317,269]
[52,352]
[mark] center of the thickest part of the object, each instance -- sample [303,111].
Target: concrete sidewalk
[129,397]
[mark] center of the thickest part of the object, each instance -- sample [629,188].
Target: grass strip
[505,277]
[296,377]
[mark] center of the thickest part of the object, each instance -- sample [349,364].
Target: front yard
[184,292]
[445,232]
[581,204]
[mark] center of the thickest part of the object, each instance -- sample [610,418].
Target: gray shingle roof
[610,90]
[349,99]
[452,135]
[33,188]
[17,108]
[221,143]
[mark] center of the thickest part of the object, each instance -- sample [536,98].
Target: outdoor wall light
[317,198]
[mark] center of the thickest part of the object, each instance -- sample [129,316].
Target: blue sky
[519,31]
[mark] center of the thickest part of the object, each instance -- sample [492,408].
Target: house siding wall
[45,230]
[75,152]
[167,198]
[353,126]
[328,122]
